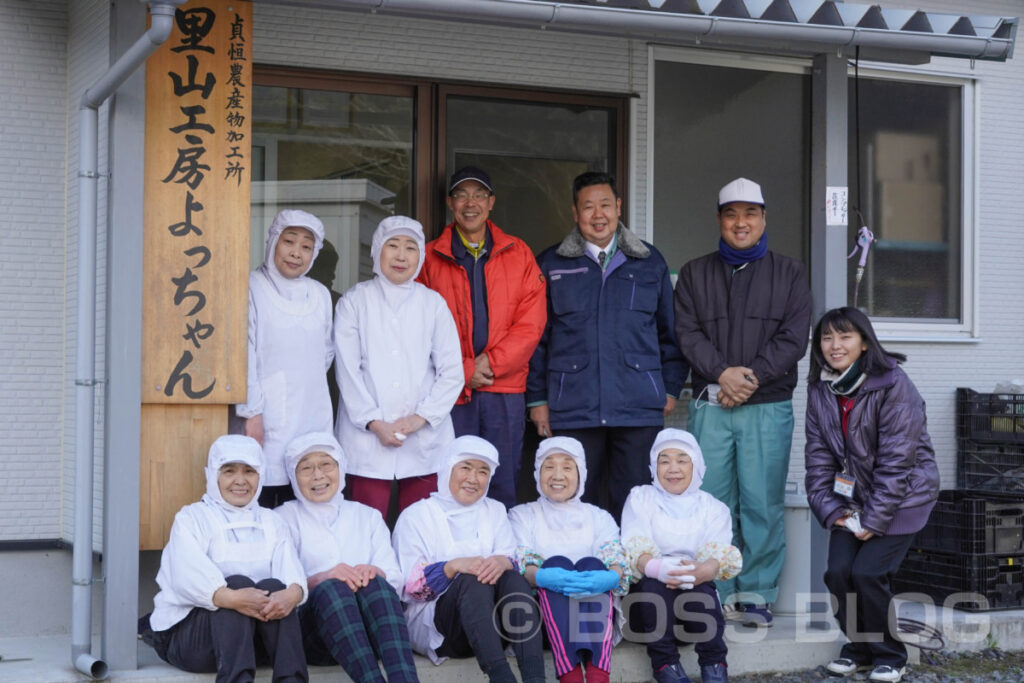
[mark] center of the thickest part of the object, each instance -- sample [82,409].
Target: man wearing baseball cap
[496,294]
[742,320]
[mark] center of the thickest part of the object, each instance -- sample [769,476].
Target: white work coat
[290,352]
[206,545]
[423,536]
[394,362]
[356,535]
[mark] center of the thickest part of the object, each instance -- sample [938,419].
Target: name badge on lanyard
[844,485]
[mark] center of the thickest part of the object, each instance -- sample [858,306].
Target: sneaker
[671,674]
[887,674]
[714,673]
[756,615]
[845,666]
[732,612]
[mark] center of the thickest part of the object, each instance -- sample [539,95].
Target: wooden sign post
[196,251]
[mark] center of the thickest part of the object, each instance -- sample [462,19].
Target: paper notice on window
[835,205]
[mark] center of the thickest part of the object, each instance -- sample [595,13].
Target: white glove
[673,564]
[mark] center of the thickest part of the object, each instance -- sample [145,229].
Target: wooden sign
[197,186]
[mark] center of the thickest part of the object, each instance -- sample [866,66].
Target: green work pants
[746,450]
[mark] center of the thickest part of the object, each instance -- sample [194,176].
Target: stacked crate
[973,544]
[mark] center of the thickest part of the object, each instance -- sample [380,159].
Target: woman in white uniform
[290,348]
[353,614]
[570,551]
[229,578]
[455,551]
[399,371]
[679,541]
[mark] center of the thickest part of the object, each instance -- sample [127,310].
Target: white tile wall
[33,83]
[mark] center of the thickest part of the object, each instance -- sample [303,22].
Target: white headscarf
[291,288]
[463,520]
[226,449]
[316,442]
[683,504]
[394,226]
[570,514]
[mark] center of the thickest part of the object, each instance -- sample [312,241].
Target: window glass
[716,123]
[346,157]
[909,188]
[532,151]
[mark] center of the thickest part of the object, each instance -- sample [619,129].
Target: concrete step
[793,643]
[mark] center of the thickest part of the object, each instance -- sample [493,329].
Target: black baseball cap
[470,173]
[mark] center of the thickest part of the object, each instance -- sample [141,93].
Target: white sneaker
[887,674]
[732,613]
[844,667]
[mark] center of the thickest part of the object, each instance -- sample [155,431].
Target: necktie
[601,258]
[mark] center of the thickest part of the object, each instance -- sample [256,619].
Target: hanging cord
[864,236]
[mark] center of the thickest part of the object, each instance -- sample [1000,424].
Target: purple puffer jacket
[889,452]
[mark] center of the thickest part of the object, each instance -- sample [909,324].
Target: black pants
[861,572]
[225,641]
[618,458]
[467,619]
[697,613]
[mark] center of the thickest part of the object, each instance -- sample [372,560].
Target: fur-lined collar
[574,246]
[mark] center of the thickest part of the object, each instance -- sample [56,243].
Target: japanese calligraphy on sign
[196,244]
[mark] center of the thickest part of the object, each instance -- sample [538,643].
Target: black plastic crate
[980,582]
[991,418]
[974,522]
[990,467]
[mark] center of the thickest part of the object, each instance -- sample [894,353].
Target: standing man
[742,318]
[607,369]
[496,295]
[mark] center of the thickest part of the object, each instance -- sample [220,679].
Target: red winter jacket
[516,306]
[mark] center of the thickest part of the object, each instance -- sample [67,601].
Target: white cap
[740,190]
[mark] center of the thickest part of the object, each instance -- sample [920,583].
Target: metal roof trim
[786,21]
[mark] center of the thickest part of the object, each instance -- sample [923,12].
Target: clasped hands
[486,569]
[738,385]
[355,577]
[576,584]
[259,603]
[387,432]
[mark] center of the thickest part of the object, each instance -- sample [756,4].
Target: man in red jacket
[496,294]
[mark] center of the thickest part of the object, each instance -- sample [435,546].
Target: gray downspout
[162,14]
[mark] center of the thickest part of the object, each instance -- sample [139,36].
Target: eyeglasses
[462,195]
[308,469]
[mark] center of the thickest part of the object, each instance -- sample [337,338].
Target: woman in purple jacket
[871,479]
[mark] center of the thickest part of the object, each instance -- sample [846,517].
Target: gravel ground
[986,666]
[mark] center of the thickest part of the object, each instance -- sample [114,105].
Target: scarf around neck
[845,383]
[739,257]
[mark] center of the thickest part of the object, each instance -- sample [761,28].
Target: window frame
[430,122]
[967,329]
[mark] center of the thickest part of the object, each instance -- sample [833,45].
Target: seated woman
[679,541]
[570,550]
[454,549]
[353,614]
[229,578]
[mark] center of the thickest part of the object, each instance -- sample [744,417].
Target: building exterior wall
[52,49]
[32,261]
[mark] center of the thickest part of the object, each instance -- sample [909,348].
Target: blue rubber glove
[596,582]
[563,581]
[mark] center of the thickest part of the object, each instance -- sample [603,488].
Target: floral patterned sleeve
[524,557]
[427,582]
[614,555]
[635,548]
[730,560]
